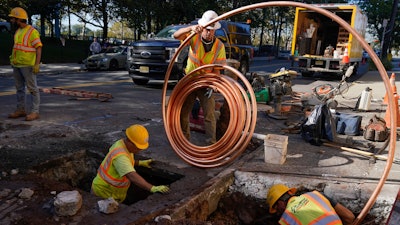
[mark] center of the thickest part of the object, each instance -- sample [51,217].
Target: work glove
[209,92]
[36,69]
[145,163]
[162,189]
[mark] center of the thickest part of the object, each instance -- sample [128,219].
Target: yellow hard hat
[275,192]
[19,13]
[138,135]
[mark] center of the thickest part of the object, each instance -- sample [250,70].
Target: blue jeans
[24,76]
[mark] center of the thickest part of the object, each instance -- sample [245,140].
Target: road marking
[76,86]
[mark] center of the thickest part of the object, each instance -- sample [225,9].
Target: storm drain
[79,168]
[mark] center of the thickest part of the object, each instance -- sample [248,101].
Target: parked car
[149,59]
[284,54]
[5,27]
[113,58]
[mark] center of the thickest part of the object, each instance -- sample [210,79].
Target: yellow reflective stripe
[122,182]
[27,35]
[24,48]
[36,42]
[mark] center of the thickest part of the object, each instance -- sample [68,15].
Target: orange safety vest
[26,40]
[198,56]
[104,168]
[311,208]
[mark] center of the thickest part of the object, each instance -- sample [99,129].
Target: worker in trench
[205,49]
[308,208]
[117,170]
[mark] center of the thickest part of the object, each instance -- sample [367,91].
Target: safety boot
[17,114]
[32,116]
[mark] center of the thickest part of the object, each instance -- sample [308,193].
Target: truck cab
[149,59]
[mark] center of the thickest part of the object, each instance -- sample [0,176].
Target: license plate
[319,63]
[144,69]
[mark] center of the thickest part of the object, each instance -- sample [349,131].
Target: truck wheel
[140,81]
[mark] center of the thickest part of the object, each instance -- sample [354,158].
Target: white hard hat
[207,17]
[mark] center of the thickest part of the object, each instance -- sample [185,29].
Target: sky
[74,20]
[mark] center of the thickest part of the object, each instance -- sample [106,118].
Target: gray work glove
[209,92]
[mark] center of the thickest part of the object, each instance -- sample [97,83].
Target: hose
[212,160]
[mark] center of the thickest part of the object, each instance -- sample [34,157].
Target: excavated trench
[234,207]
[79,169]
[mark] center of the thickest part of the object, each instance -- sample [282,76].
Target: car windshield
[168,32]
[117,49]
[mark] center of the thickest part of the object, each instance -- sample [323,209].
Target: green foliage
[74,51]
[385,62]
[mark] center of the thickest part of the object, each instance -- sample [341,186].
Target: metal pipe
[199,162]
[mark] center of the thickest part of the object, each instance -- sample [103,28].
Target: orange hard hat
[19,13]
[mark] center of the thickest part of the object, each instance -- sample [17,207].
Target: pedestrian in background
[117,170]
[205,49]
[308,208]
[25,59]
[95,47]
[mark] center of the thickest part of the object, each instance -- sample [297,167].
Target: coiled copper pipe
[242,120]
[209,163]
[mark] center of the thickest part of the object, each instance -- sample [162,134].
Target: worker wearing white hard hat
[205,49]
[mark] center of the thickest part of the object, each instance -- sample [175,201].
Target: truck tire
[140,81]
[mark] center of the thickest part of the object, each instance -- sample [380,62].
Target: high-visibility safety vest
[198,56]
[108,182]
[26,40]
[309,208]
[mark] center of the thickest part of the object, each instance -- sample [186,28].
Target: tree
[97,13]
[377,11]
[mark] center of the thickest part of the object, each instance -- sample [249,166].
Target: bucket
[335,54]
[262,96]
[275,148]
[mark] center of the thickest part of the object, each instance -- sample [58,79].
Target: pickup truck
[149,59]
[5,27]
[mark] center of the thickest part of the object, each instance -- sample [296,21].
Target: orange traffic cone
[387,114]
[393,87]
[345,58]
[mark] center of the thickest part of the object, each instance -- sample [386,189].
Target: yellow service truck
[321,45]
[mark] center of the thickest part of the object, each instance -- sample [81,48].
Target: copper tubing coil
[242,121]
[364,44]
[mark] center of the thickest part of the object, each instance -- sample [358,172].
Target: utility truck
[322,46]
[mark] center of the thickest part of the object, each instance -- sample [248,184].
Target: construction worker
[25,59]
[308,208]
[205,49]
[117,170]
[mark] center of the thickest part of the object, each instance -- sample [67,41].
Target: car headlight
[104,60]
[169,53]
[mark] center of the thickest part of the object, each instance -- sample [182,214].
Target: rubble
[67,203]
[108,206]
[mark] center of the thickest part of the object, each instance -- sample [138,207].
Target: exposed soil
[45,160]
